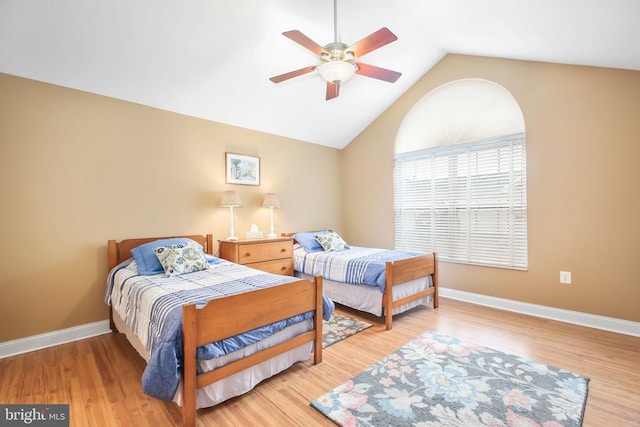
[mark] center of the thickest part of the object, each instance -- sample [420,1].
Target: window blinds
[467,202]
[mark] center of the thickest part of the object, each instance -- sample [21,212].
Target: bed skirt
[243,381]
[369,298]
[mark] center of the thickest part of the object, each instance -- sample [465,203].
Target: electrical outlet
[565,277]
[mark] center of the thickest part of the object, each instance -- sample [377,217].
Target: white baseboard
[612,324]
[50,339]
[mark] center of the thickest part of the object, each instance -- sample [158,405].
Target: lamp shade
[271,201]
[337,71]
[230,198]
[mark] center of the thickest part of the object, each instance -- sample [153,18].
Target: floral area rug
[439,381]
[339,327]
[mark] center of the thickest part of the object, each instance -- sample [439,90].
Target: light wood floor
[100,377]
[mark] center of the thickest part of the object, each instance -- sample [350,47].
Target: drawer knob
[248,254]
[283,250]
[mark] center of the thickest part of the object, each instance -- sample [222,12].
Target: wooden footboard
[398,272]
[229,316]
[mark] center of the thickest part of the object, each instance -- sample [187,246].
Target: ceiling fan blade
[377,72]
[333,90]
[373,41]
[292,74]
[305,41]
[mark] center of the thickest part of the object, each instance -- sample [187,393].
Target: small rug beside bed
[339,327]
[437,380]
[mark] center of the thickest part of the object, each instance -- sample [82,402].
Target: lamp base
[272,235]
[232,238]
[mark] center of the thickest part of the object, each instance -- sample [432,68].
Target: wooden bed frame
[401,271]
[229,316]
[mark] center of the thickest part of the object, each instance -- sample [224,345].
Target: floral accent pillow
[331,242]
[181,258]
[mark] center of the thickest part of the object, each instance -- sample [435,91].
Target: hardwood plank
[100,376]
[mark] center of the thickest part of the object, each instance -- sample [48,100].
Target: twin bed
[215,331]
[171,322]
[377,281]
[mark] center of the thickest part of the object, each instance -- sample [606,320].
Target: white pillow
[331,242]
[181,258]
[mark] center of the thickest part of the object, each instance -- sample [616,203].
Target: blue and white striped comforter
[356,265]
[152,307]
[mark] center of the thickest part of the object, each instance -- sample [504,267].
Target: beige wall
[77,169]
[583,128]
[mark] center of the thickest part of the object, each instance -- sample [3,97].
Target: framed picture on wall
[241,169]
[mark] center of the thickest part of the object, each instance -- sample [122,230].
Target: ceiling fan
[339,60]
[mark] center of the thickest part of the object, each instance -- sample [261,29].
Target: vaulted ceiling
[212,59]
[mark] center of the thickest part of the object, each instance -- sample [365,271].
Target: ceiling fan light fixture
[337,71]
[339,60]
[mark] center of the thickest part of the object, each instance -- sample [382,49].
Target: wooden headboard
[119,251]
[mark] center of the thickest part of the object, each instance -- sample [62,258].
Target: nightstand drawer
[283,266]
[269,255]
[260,252]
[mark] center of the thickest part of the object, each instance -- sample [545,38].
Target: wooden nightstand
[270,255]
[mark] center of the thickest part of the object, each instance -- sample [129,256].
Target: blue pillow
[212,260]
[148,262]
[308,241]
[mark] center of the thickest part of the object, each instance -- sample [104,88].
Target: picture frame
[242,169]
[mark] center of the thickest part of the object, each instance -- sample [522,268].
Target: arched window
[460,176]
